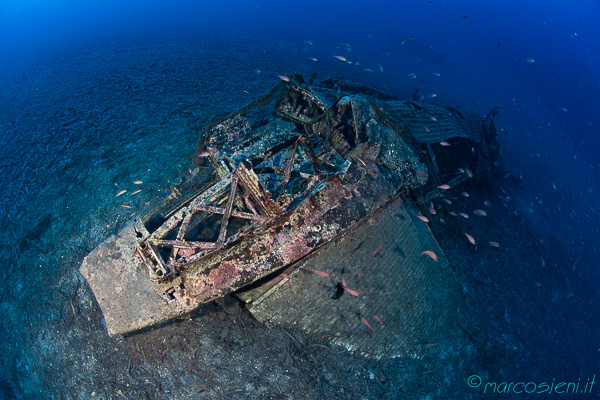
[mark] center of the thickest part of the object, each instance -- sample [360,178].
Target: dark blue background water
[549,125]
[562,38]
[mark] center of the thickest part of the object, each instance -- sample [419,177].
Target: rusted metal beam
[227,214]
[249,181]
[185,245]
[289,166]
[234,213]
[156,267]
[202,199]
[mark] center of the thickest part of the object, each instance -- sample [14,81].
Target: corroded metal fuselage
[294,169]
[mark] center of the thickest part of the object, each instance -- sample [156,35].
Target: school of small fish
[123,191]
[343,54]
[429,253]
[345,58]
[433,211]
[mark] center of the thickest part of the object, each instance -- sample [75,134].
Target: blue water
[69,68]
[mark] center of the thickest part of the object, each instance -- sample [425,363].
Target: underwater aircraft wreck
[313,219]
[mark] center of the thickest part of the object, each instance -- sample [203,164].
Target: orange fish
[480,212]
[432,209]
[464,215]
[433,118]
[453,214]
[447,201]
[445,143]
[137,182]
[121,192]
[351,291]
[364,321]
[284,78]
[444,187]
[469,172]
[125,206]
[422,218]
[341,58]
[320,273]
[494,244]
[470,238]
[430,254]
[136,191]
[466,194]
[206,153]
[377,250]
[378,320]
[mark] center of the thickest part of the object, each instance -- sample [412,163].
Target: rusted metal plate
[127,297]
[415,297]
[324,215]
[433,123]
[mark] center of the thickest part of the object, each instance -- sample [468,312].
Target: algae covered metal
[300,167]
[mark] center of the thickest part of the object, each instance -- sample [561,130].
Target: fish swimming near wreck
[285,167]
